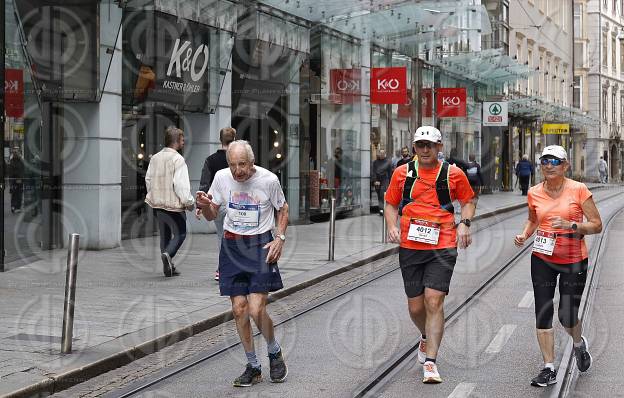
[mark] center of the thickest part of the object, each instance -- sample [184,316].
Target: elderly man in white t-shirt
[249,253]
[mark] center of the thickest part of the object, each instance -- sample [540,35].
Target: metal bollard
[332,228]
[70,294]
[384,233]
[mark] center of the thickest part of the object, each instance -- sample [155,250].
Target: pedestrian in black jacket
[214,163]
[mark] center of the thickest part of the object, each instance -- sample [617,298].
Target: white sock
[549,365]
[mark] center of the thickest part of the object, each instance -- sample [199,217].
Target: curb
[63,381]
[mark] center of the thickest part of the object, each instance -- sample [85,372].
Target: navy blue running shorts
[243,268]
[426,268]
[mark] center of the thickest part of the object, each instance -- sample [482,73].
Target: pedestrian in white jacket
[169,194]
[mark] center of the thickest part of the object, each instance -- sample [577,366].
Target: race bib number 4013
[424,232]
[544,242]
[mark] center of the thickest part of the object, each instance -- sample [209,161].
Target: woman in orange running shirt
[556,210]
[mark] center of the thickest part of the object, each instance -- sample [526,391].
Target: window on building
[613,55]
[605,53]
[577,100]
[614,6]
[621,7]
[530,63]
[547,85]
[579,55]
[578,21]
[604,104]
[564,88]
[622,56]
[542,75]
[613,107]
[622,107]
[555,84]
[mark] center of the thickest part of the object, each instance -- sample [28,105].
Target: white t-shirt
[250,205]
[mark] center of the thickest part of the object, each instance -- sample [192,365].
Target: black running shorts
[426,268]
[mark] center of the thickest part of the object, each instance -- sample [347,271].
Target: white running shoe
[430,373]
[422,351]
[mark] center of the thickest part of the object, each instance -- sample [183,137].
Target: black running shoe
[583,357]
[249,377]
[545,378]
[167,264]
[278,367]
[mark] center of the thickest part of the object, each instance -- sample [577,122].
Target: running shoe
[422,351]
[278,368]
[167,264]
[430,373]
[583,357]
[216,278]
[249,377]
[545,378]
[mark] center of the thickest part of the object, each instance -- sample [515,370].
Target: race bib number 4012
[544,242]
[424,232]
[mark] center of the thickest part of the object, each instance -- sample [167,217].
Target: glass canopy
[537,108]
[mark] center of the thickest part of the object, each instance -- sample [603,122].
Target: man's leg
[178,226]
[434,308]
[163,229]
[416,307]
[252,373]
[257,310]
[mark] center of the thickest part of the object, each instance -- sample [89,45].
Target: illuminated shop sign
[388,85]
[451,102]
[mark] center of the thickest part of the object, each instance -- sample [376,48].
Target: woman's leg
[544,281]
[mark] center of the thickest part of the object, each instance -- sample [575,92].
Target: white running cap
[428,133]
[555,151]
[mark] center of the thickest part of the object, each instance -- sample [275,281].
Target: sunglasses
[424,144]
[552,161]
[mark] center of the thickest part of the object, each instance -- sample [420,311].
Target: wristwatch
[466,222]
[282,237]
[574,226]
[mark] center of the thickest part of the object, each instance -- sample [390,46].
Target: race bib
[244,215]
[424,232]
[544,242]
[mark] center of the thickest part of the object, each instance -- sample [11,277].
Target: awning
[405,26]
[491,67]
[533,107]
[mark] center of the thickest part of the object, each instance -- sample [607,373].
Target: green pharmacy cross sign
[495,114]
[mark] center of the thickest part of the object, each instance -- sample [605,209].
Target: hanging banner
[405,111]
[14,92]
[345,85]
[451,102]
[388,85]
[495,113]
[427,102]
[556,128]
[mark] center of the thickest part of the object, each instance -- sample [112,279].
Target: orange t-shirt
[425,204]
[569,207]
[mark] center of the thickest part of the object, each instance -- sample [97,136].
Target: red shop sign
[14,92]
[451,102]
[388,85]
[345,85]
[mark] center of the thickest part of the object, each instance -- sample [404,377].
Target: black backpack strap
[443,188]
[410,179]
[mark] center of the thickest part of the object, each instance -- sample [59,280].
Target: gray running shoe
[545,378]
[249,377]
[583,357]
[279,370]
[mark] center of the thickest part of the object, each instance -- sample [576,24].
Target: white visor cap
[555,151]
[428,133]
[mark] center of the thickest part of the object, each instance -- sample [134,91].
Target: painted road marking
[463,390]
[500,339]
[527,300]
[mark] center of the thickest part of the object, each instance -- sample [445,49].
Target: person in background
[473,172]
[454,159]
[16,178]
[524,171]
[382,172]
[406,157]
[169,194]
[213,163]
[602,169]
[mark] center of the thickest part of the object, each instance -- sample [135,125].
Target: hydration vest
[442,186]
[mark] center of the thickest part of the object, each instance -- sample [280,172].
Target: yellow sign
[560,128]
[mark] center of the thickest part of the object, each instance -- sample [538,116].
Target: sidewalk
[124,303]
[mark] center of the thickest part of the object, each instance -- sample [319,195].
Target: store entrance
[143,136]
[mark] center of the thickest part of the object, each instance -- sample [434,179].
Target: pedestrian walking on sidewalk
[421,194]
[473,172]
[524,171]
[602,169]
[556,210]
[249,251]
[169,195]
[406,157]
[382,172]
[16,179]
[213,163]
